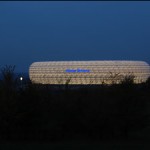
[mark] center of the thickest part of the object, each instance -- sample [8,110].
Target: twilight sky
[46,31]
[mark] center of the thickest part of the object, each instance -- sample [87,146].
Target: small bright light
[21,78]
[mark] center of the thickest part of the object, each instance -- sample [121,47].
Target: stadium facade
[87,72]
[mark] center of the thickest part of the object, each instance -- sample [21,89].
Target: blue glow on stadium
[77,70]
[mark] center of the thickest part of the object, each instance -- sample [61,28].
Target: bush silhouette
[42,112]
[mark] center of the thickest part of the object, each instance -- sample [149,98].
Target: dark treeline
[42,112]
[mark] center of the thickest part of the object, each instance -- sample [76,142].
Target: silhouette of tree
[128,80]
[8,81]
[8,100]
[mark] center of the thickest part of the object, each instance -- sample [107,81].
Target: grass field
[113,145]
[140,141]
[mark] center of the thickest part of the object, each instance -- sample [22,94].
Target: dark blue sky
[42,31]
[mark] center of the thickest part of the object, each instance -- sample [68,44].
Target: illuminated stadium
[87,72]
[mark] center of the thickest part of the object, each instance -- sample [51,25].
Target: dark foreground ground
[68,117]
[73,145]
[137,141]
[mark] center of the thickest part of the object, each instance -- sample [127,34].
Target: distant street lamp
[21,79]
